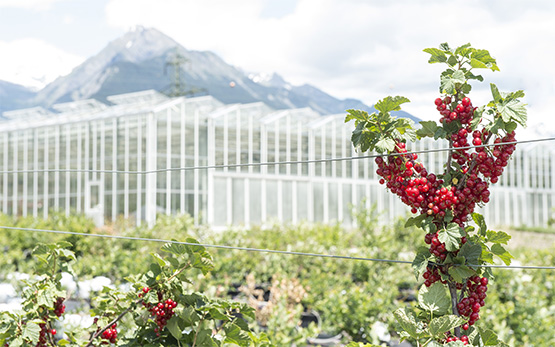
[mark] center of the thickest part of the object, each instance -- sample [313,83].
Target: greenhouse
[146,154]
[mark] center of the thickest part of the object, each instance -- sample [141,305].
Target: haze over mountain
[139,60]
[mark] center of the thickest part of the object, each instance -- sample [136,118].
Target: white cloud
[34,63]
[363,49]
[28,4]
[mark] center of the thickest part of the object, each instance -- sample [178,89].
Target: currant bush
[481,141]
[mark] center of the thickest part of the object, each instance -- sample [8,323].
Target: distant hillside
[139,60]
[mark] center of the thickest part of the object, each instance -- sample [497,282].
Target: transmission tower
[177,87]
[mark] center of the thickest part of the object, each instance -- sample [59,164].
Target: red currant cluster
[492,166]
[470,305]
[59,306]
[464,111]
[110,334]
[162,311]
[43,335]
[431,275]
[463,339]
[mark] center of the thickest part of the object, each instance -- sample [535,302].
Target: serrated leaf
[415,221]
[448,82]
[434,299]
[480,221]
[452,60]
[31,331]
[162,262]
[41,249]
[475,63]
[495,93]
[236,335]
[384,145]
[486,255]
[356,114]
[489,338]
[408,322]
[175,248]
[451,235]
[513,110]
[438,326]
[502,253]
[437,55]
[461,272]
[498,237]
[428,129]
[390,103]
[173,327]
[471,252]
[510,126]
[420,262]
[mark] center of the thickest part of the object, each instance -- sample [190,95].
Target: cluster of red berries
[431,275]
[492,166]
[463,339]
[162,311]
[110,334]
[463,111]
[59,307]
[470,305]
[43,335]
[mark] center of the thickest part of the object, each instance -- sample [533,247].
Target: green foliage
[380,131]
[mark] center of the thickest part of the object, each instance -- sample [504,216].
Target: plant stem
[196,332]
[186,266]
[454,301]
[115,320]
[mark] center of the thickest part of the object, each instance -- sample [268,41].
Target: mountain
[14,96]
[141,59]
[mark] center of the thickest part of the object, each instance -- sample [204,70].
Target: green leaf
[356,114]
[483,56]
[434,299]
[498,237]
[510,126]
[471,252]
[173,327]
[420,262]
[428,129]
[174,248]
[31,331]
[438,56]
[159,260]
[489,338]
[448,83]
[438,326]
[480,222]
[390,103]
[486,255]
[461,272]
[513,110]
[495,93]
[385,144]
[502,253]
[452,61]
[451,236]
[41,249]
[234,334]
[475,63]
[408,322]
[415,221]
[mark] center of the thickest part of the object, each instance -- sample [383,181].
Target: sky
[363,49]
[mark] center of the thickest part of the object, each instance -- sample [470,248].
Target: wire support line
[289,162]
[260,250]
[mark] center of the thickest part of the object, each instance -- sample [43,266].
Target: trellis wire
[260,250]
[290,162]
